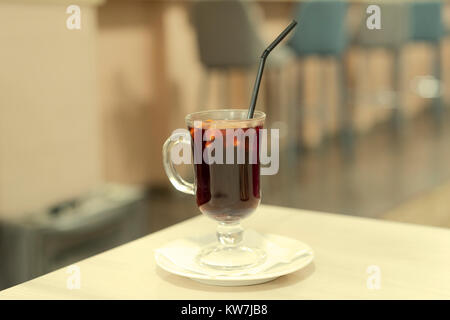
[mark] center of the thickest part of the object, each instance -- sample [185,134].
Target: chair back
[394,30]
[226,34]
[321,28]
[426,21]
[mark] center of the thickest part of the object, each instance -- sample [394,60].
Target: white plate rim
[294,266]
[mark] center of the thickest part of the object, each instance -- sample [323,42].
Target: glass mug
[226,192]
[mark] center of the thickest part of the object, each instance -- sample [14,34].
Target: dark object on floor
[71,231]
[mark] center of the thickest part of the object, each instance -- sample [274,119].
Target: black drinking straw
[264,56]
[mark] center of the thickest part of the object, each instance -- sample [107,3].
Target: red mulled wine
[228,191]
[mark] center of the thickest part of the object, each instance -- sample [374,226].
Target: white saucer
[276,268]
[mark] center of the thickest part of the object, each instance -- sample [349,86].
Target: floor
[388,175]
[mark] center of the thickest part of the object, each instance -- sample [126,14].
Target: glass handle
[177,181]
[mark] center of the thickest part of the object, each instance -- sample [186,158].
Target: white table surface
[414,262]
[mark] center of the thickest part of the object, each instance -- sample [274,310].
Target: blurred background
[363,113]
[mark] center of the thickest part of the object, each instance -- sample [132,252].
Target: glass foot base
[220,257]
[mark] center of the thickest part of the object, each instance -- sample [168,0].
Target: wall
[49,121]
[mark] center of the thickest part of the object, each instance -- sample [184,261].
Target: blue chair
[426,21]
[427,26]
[322,32]
[392,36]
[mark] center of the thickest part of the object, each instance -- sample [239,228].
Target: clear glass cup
[226,192]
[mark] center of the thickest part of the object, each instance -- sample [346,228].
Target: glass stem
[230,234]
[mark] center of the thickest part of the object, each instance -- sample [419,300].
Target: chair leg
[297,112]
[397,111]
[269,83]
[203,89]
[322,107]
[294,120]
[344,111]
[437,106]
[275,101]
[226,89]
